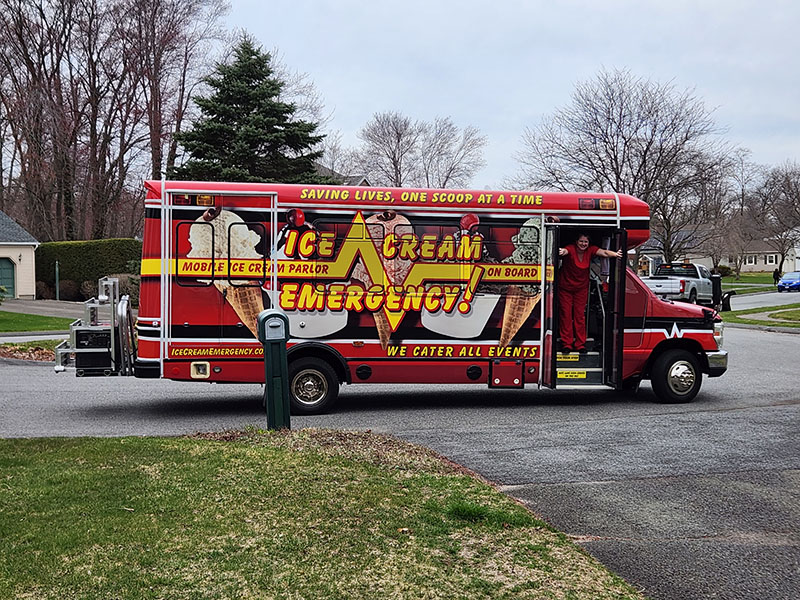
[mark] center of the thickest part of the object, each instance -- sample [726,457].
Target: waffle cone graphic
[395,270]
[247,303]
[519,306]
[384,329]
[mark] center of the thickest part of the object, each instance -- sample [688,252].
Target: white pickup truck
[681,281]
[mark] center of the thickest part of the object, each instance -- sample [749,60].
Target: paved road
[686,501]
[48,308]
[763,299]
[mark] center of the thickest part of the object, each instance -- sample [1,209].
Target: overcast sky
[501,65]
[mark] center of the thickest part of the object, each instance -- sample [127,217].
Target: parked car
[681,281]
[790,282]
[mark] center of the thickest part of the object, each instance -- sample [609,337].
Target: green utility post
[273,331]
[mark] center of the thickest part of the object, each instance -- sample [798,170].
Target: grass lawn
[749,278]
[10,321]
[745,290]
[787,315]
[775,312]
[303,514]
[745,284]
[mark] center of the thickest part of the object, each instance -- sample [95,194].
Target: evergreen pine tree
[245,133]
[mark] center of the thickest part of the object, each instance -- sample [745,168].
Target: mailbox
[273,332]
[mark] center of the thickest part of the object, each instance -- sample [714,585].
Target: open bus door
[549,333]
[615,323]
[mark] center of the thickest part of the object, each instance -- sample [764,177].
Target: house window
[752,259]
[772,259]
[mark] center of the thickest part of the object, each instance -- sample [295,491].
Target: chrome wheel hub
[681,377]
[309,386]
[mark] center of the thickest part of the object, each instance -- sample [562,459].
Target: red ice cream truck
[390,285]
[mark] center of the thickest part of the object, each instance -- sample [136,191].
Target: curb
[772,328]
[18,362]
[32,333]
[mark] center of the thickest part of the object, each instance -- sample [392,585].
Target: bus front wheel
[676,376]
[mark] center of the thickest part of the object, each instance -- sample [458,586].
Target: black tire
[313,386]
[693,297]
[676,376]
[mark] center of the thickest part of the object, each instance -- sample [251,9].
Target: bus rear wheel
[676,376]
[313,386]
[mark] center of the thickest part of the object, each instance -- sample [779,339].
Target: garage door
[7,276]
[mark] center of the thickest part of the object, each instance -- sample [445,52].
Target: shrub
[128,285]
[724,270]
[134,266]
[3,292]
[89,289]
[85,261]
[69,290]
[44,291]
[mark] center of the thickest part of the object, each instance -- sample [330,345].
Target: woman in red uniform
[573,291]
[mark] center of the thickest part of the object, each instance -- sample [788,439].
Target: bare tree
[300,91]
[89,90]
[715,207]
[397,151]
[620,133]
[684,214]
[43,109]
[449,157]
[629,135]
[171,39]
[336,158]
[390,150]
[741,234]
[8,150]
[779,209]
[746,175]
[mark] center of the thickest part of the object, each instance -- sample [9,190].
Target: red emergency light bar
[193,200]
[597,203]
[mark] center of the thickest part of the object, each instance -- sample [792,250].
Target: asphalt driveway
[686,501]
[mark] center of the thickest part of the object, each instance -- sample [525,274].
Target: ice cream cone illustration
[395,269]
[384,329]
[521,298]
[246,302]
[228,237]
[519,306]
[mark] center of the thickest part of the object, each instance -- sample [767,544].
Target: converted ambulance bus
[390,285]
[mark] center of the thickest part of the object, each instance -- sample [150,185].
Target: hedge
[85,261]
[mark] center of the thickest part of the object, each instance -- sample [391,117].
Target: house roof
[760,247]
[12,233]
[358,180]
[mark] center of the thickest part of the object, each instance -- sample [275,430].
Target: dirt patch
[377,449]
[27,353]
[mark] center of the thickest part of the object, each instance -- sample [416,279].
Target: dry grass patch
[305,514]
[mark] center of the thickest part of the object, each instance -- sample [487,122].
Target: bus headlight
[719,326]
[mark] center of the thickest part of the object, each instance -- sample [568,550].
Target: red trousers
[572,316]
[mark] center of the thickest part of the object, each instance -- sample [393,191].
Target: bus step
[586,361]
[580,376]
[587,386]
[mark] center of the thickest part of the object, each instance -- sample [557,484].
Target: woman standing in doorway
[573,291]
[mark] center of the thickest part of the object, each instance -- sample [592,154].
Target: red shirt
[574,273]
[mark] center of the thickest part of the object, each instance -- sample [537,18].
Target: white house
[17,259]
